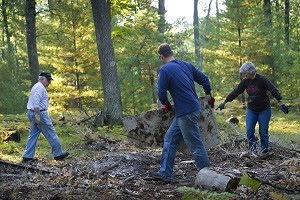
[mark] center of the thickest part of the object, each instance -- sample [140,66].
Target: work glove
[221,106]
[211,102]
[168,107]
[284,108]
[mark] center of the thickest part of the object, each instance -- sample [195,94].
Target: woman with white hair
[258,104]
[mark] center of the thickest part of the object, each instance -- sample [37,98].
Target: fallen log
[215,181]
[128,179]
[88,118]
[4,177]
[32,169]
[104,169]
[148,129]
[267,182]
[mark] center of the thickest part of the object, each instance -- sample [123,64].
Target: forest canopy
[264,32]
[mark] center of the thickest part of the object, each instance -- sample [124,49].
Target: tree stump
[147,129]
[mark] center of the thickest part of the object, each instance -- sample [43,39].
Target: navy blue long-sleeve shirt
[178,78]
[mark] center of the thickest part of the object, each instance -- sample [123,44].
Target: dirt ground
[120,171]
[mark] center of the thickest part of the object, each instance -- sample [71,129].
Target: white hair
[248,67]
[41,77]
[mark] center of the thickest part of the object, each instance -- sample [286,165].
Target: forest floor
[103,165]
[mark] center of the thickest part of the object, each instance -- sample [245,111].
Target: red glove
[211,102]
[168,107]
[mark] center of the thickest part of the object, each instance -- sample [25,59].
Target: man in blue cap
[40,121]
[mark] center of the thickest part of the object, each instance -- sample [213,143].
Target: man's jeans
[46,127]
[184,127]
[263,119]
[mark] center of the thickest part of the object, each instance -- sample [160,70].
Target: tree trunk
[5,25]
[31,41]
[77,73]
[269,27]
[218,21]
[204,36]
[161,29]
[287,21]
[241,62]
[152,84]
[112,96]
[162,21]
[196,32]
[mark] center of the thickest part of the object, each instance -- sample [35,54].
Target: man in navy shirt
[178,77]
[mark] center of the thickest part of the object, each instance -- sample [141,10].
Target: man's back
[178,78]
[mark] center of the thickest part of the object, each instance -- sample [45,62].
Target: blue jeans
[184,127]
[263,119]
[46,127]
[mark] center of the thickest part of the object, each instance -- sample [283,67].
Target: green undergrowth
[71,136]
[116,132]
[284,129]
[190,193]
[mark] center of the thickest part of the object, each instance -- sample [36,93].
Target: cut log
[215,181]
[148,129]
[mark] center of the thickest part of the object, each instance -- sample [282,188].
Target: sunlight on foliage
[9,148]
[117,132]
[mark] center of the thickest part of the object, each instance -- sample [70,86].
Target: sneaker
[62,156]
[158,177]
[24,160]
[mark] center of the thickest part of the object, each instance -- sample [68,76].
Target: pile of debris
[122,173]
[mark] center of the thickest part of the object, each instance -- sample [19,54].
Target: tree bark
[196,32]
[31,41]
[162,21]
[110,81]
[161,29]
[215,181]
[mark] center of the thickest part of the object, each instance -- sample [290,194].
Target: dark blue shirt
[178,78]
